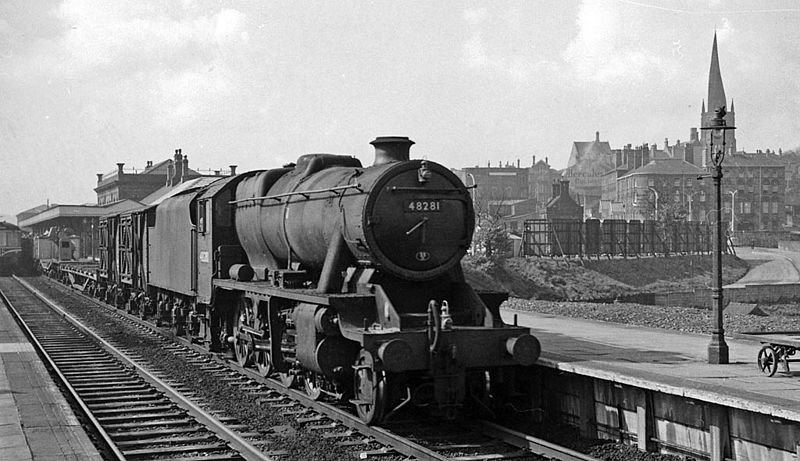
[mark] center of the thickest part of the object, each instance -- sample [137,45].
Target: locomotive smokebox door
[410,223]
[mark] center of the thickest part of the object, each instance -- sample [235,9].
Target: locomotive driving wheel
[369,385]
[243,343]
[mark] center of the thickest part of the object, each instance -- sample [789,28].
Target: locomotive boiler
[340,278]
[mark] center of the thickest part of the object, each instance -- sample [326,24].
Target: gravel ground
[685,319]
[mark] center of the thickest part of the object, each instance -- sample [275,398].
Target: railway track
[136,415]
[415,439]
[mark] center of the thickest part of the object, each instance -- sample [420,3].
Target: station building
[117,191]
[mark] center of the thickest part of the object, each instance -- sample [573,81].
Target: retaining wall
[777,293]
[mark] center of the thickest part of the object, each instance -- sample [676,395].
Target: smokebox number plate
[422,206]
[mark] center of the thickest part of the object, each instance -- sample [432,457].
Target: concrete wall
[778,293]
[660,422]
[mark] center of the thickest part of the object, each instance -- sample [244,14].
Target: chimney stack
[233,170]
[556,189]
[99,177]
[390,149]
[564,187]
[693,134]
[185,168]
[534,161]
[119,169]
[178,166]
[170,173]
[596,136]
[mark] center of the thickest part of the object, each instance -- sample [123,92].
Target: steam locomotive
[343,279]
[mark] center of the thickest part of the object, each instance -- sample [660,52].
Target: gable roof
[667,166]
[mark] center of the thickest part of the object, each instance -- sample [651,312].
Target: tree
[490,236]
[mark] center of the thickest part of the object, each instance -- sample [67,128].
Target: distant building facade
[136,185]
[588,164]
[507,189]
[117,191]
[561,205]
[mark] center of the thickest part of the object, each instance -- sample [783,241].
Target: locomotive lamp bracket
[424,173]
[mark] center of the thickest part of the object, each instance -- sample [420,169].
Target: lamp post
[733,209]
[717,348]
[690,198]
[655,194]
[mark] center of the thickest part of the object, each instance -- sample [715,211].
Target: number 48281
[423,205]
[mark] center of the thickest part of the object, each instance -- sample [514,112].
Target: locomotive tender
[341,278]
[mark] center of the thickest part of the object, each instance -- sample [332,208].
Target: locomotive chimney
[390,149]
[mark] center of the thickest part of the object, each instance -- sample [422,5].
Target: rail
[236,442]
[73,394]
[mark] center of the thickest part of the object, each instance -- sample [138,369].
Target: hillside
[604,279]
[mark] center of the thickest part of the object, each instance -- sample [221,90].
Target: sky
[85,84]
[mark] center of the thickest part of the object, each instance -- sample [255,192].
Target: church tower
[716,99]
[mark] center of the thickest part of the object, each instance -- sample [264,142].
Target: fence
[616,237]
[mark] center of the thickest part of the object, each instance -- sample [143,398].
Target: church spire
[732,108]
[716,99]
[716,92]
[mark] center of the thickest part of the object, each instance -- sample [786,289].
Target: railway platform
[36,422]
[651,387]
[665,361]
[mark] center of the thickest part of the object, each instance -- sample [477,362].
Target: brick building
[754,187]
[664,188]
[561,205]
[505,189]
[136,185]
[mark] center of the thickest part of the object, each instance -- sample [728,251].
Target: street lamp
[690,198]
[733,208]
[655,193]
[717,348]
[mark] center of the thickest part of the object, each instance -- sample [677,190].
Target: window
[677,182]
[201,214]
[765,207]
[774,207]
[702,196]
[746,207]
[651,182]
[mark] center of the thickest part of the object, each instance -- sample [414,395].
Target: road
[779,266]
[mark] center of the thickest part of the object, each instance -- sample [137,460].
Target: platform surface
[665,361]
[36,422]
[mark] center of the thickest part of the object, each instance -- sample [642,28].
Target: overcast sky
[86,84]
